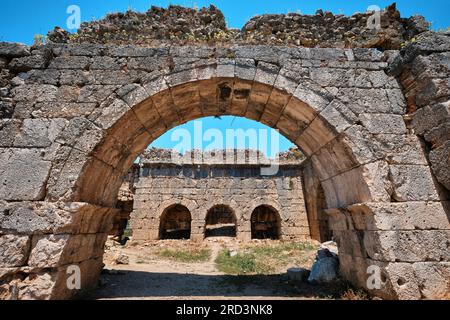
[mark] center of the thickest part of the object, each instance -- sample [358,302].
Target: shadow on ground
[146,285]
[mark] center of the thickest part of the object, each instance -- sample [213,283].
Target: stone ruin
[255,206]
[369,109]
[179,25]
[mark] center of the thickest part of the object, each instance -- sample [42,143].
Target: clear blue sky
[20,20]
[202,136]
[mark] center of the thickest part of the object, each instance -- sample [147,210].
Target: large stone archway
[86,112]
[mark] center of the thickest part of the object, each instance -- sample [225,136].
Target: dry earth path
[160,279]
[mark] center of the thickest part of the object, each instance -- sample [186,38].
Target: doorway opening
[220,222]
[176,223]
[266,223]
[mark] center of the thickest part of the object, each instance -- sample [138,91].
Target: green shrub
[239,264]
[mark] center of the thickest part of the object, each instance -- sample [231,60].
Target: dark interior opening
[220,222]
[324,230]
[266,223]
[176,223]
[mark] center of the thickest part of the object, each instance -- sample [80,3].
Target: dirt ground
[148,276]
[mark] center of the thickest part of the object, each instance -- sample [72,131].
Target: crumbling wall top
[179,25]
[240,157]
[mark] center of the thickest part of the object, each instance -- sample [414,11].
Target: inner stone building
[207,197]
[369,108]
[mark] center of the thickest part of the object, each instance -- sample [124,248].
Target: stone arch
[298,121]
[205,207]
[318,120]
[221,220]
[315,202]
[188,204]
[175,223]
[265,223]
[262,202]
[337,105]
[245,222]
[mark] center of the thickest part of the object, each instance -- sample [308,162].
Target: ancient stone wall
[423,68]
[125,202]
[76,116]
[200,187]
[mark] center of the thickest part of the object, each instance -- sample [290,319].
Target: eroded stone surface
[206,180]
[14,250]
[423,69]
[75,116]
[24,174]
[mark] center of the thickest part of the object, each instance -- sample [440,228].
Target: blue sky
[21,20]
[204,134]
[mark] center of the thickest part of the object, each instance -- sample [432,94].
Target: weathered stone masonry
[202,185]
[74,117]
[423,69]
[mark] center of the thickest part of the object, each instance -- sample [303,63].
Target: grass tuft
[265,259]
[239,264]
[187,256]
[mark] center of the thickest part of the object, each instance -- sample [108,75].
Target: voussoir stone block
[60,250]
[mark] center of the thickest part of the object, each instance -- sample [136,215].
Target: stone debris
[298,274]
[326,267]
[122,259]
[330,246]
[233,253]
